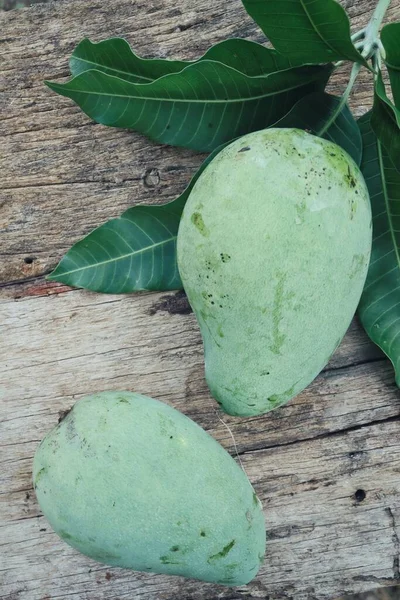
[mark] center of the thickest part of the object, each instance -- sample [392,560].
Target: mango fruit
[273,250]
[132,482]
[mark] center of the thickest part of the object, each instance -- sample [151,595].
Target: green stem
[358,35]
[353,76]
[372,29]
[367,41]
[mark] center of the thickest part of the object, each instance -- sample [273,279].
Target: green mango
[273,250]
[132,482]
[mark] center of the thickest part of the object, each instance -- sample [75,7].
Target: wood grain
[311,461]
[62,175]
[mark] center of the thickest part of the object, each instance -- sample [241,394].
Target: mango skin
[273,250]
[131,482]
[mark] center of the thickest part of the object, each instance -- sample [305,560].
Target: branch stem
[358,35]
[353,76]
[372,29]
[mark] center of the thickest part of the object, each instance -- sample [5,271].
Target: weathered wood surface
[60,176]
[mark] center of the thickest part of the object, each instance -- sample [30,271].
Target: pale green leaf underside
[134,252]
[379,307]
[115,57]
[313,31]
[316,113]
[200,107]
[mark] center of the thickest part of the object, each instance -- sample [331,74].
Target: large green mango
[273,250]
[131,482]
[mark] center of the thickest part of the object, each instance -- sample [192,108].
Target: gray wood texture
[311,461]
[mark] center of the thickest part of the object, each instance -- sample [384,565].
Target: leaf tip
[50,84]
[52,276]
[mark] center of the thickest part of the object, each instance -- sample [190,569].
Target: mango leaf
[318,114]
[201,107]
[385,121]
[134,252]
[390,37]
[379,308]
[115,57]
[313,31]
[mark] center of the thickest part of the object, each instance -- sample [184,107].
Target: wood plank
[157,350]
[134,343]
[322,540]
[60,176]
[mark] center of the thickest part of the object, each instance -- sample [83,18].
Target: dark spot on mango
[174,549]
[202,533]
[70,431]
[198,222]
[278,399]
[39,476]
[169,561]
[350,178]
[104,556]
[225,550]
[245,149]
[67,536]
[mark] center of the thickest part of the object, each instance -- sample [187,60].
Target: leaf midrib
[183,100]
[320,35]
[386,198]
[91,62]
[123,256]
[391,66]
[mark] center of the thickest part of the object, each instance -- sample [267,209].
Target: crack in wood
[174,304]
[396,542]
[322,436]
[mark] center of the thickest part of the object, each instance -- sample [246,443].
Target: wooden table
[326,466]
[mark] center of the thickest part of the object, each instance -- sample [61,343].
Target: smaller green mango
[131,482]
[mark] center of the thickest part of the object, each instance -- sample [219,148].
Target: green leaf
[201,107]
[115,57]
[385,121]
[134,252]
[313,31]
[379,308]
[390,37]
[318,114]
